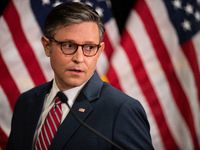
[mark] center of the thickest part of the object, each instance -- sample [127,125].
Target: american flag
[158,63]
[155,60]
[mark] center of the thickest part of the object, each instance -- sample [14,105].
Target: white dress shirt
[49,102]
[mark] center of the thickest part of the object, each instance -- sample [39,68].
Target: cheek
[56,65]
[91,63]
[58,61]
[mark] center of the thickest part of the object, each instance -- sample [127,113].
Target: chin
[75,84]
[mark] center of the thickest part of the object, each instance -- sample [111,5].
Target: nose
[78,57]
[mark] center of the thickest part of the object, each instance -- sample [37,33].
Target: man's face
[73,70]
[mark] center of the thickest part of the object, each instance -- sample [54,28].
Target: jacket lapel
[70,125]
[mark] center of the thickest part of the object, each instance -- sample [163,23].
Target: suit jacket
[117,116]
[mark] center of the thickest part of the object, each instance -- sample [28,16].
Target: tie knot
[58,101]
[57,104]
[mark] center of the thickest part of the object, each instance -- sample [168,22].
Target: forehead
[78,32]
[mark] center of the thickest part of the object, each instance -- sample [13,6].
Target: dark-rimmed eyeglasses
[70,48]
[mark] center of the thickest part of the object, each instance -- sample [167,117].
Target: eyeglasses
[70,48]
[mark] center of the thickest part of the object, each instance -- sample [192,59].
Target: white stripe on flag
[113,35]
[33,33]
[13,60]
[102,64]
[6,113]
[113,32]
[196,41]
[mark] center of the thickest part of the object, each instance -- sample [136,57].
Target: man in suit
[73,42]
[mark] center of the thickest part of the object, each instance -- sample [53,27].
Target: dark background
[120,9]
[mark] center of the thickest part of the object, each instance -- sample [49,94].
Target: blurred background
[152,54]
[120,10]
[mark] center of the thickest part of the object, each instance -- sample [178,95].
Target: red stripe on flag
[148,90]
[13,20]
[8,84]
[189,51]
[164,58]
[113,78]
[108,49]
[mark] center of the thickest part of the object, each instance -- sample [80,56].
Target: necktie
[49,127]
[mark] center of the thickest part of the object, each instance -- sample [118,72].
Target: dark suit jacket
[117,116]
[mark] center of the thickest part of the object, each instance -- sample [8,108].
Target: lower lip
[76,72]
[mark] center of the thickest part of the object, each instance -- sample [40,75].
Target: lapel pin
[81,110]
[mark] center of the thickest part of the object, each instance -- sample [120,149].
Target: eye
[89,47]
[68,45]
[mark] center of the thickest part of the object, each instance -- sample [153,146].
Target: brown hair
[71,13]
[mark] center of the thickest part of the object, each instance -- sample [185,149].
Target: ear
[101,48]
[46,44]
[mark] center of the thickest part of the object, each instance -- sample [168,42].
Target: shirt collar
[71,93]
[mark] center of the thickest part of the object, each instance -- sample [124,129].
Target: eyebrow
[85,42]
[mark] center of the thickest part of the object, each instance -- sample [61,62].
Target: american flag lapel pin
[81,110]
